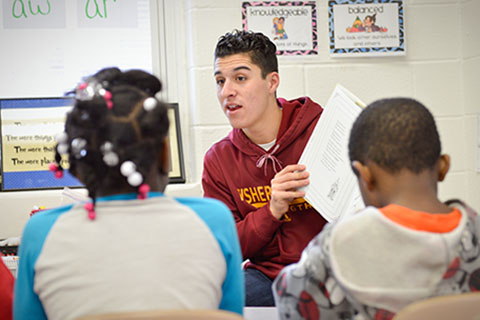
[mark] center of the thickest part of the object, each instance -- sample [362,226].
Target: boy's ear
[443,166]
[164,158]
[364,174]
[274,81]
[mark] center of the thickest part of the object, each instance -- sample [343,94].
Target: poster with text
[366,28]
[28,130]
[291,25]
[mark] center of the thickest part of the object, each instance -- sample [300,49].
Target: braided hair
[114,133]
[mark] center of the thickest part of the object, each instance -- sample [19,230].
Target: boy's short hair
[395,134]
[262,51]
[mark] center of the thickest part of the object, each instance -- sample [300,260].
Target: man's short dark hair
[395,134]
[262,51]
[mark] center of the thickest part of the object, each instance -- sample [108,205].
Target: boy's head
[261,50]
[395,133]
[115,134]
[396,136]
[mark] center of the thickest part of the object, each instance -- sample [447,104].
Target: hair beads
[111,133]
[129,170]
[109,156]
[143,191]
[149,104]
[62,143]
[88,90]
[56,169]
[91,210]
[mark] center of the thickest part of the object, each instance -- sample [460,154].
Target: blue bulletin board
[28,129]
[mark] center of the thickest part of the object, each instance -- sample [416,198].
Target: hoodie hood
[297,118]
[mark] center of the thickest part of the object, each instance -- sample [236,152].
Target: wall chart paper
[291,25]
[366,28]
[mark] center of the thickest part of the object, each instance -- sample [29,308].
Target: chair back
[464,306]
[167,314]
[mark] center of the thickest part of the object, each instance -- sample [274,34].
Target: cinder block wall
[471,91]
[441,69]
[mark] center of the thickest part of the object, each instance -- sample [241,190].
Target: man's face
[242,92]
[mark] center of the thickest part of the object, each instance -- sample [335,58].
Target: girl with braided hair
[130,248]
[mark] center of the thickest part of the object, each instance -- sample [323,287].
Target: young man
[405,246]
[254,169]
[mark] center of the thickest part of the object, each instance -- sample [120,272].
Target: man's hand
[284,188]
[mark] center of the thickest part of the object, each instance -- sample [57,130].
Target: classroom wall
[440,69]
[471,84]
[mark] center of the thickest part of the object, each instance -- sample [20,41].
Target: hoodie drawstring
[263,160]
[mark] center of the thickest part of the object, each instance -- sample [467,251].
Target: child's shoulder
[206,207]
[366,213]
[462,206]
[355,224]
[40,224]
[47,216]
[201,202]
[213,212]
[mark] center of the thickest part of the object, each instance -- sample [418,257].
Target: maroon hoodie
[235,174]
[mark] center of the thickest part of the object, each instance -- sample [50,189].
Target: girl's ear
[364,174]
[164,158]
[443,167]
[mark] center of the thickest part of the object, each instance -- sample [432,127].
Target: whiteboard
[48,46]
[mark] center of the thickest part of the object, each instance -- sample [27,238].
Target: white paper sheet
[333,189]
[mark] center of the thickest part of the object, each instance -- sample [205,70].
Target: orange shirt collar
[422,221]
